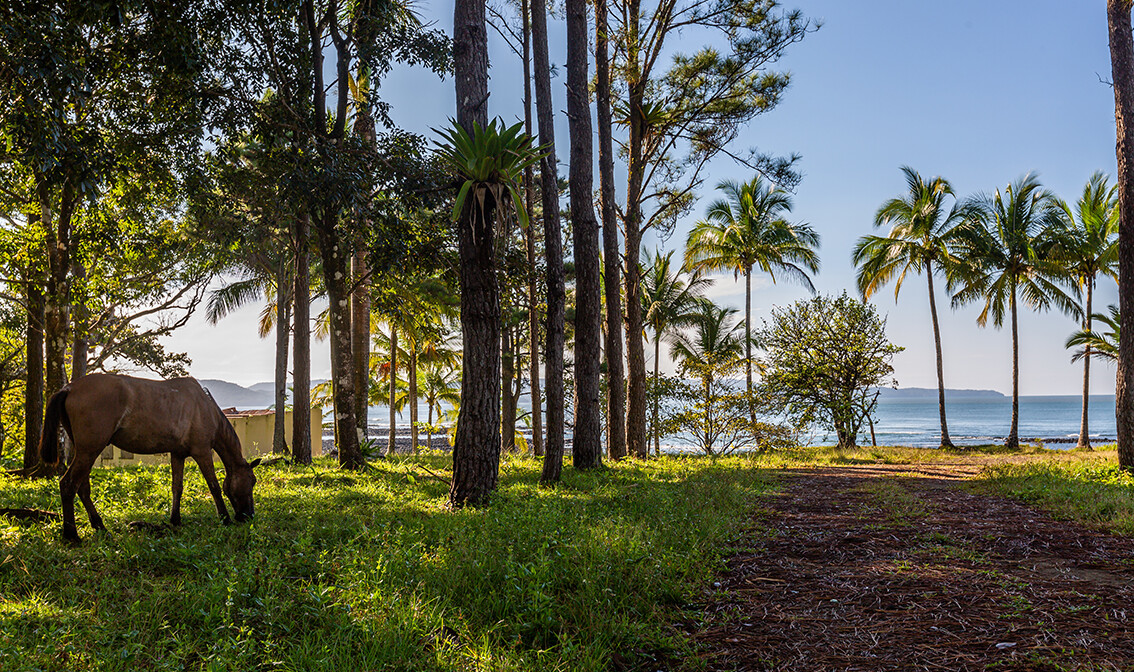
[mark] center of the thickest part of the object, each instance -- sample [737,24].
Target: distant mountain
[230,394]
[930,394]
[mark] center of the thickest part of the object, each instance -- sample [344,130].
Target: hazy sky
[978,91]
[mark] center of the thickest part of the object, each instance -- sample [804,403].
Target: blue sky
[980,92]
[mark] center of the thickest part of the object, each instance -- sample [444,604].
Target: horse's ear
[254,463]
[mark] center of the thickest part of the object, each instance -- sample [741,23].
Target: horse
[147,417]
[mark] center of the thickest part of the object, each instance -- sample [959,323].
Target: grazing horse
[146,417]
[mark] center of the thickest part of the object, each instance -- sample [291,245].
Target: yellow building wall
[254,431]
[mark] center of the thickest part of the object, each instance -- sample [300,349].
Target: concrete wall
[254,431]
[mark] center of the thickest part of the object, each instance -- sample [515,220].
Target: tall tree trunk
[360,340]
[507,400]
[57,306]
[301,359]
[476,453]
[748,341]
[1122,74]
[1014,433]
[946,442]
[529,240]
[80,350]
[553,249]
[586,448]
[336,273]
[635,350]
[283,321]
[612,280]
[1084,432]
[392,393]
[657,395]
[412,394]
[33,395]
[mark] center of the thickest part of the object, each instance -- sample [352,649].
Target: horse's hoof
[175,522]
[72,538]
[226,521]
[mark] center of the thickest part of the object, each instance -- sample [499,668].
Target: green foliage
[714,418]
[370,571]
[824,357]
[1098,344]
[492,162]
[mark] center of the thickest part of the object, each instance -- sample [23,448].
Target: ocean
[915,422]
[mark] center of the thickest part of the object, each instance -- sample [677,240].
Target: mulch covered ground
[891,569]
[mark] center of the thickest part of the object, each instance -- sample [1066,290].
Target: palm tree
[668,301]
[438,383]
[923,236]
[1088,245]
[747,230]
[1005,262]
[712,343]
[1103,345]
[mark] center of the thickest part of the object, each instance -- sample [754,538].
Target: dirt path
[897,568]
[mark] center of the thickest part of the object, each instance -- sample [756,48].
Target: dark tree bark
[80,350]
[57,307]
[336,272]
[34,392]
[1084,442]
[636,443]
[587,444]
[301,359]
[283,322]
[529,241]
[553,250]
[360,339]
[946,442]
[616,383]
[411,375]
[1122,74]
[476,453]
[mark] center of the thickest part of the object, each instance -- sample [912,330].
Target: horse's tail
[55,414]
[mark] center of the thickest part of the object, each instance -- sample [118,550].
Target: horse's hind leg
[88,504]
[177,467]
[206,465]
[78,473]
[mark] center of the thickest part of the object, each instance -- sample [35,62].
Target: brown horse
[147,417]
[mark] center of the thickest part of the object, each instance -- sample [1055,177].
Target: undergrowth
[369,571]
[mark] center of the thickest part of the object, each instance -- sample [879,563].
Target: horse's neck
[230,454]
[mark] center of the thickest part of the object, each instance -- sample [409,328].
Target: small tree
[823,358]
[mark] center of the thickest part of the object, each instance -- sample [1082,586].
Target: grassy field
[1087,487]
[370,572]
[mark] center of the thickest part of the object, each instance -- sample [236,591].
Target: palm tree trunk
[392,434]
[413,395]
[553,248]
[283,322]
[1013,433]
[1084,442]
[529,240]
[748,340]
[946,442]
[657,395]
[586,450]
[301,359]
[507,401]
[1122,74]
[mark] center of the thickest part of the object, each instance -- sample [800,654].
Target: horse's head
[238,484]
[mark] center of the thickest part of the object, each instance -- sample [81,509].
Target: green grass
[355,572]
[1084,486]
[831,456]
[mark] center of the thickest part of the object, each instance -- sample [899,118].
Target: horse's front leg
[177,466]
[206,465]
